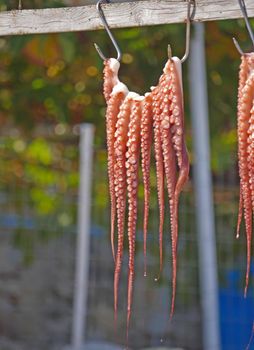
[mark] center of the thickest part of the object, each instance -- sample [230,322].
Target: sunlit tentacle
[244,108]
[170,167]
[110,76]
[240,214]
[108,80]
[169,160]
[176,117]
[250,151]
[120,186]
[243,75]
[114,100]
[146,143]
[157,98]
[132,159]
[111,118]
[178,138]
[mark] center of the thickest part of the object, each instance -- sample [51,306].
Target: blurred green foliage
[54,82]
[47,79]
[57,78]
[39,181]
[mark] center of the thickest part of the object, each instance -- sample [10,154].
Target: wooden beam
[119,15]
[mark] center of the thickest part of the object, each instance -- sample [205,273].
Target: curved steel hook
[187,36]
[106,26]
[246,19]
[188,27]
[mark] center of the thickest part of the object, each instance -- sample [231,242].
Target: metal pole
[83,238]
[203,192]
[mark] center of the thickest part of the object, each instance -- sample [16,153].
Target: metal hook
[106,26]
[246,19]
[187,35]
[188,27]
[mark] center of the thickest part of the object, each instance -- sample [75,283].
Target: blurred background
[50,84]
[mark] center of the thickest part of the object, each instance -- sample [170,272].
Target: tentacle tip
[114,255]
[115,310]
[172,309]
[145,267]
[245,292]
[171,315]
[156,279]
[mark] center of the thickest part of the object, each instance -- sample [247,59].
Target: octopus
[133,122]
[172,158]
[245,134]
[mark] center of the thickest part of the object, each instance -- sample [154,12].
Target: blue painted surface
[98,231]
[236,313]
[13,221]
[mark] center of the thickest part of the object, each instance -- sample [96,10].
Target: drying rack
[139,14]
[118,14]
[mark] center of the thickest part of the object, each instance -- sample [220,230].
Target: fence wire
[38,209]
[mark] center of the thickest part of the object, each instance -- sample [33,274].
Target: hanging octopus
[171,148]
[132,122]
[245,131]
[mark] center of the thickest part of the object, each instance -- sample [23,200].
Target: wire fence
[38,209]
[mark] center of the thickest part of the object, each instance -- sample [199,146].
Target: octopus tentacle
[120,186]
[246,67]
[243,74]
[177,109]
[110,76]
[173,68]
[111,118]
[250,151]
[240,214]
[114,100]
[132,159]
[170,167]
[165,138]
[244,108]
[146,143]
[157,98]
